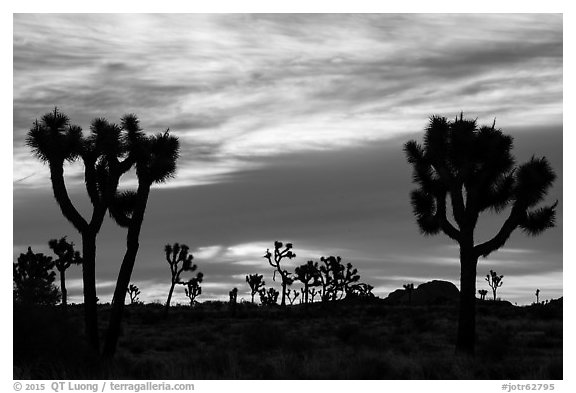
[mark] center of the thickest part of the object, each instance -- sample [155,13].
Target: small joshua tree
[409,289]
[66,257]
[482,293]
[309,275]
[133,292]
[313,292]
[268,297]
[34,280]
[256,282]
[180,260]
[233,295]
[292,296]
[361,291]
[280,254]
[537,296]
[349,277]
[336,278]
[495,281]
[192,288]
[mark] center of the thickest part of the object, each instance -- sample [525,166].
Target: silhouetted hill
[429,293]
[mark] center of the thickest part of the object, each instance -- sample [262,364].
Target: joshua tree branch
[61,195]
[486,248]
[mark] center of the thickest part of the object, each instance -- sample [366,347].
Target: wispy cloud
[234,87]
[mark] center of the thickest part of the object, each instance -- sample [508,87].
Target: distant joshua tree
[180,260]
[473,167]
[309,275]
[256,282]
[537,296]
[482,293]
[313,292]
[133,292]
[280,254]
[67,256]
[233,295]
[336,279]
[495,282]
[268,297]
[192,288]
[34,280]
[361,291]
[409,289]
[292,296]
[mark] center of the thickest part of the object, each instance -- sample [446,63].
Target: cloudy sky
[291,129]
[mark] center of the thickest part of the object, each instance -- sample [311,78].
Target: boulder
[429,293]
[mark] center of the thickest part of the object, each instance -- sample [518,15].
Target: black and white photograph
[288,196]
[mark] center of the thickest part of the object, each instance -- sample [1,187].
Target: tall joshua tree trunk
[283,302]
[167,306]
[89,284]
[465,341]
[63,288]
[88,249]
[126,268]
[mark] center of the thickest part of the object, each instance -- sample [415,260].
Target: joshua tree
[362,291]
[280,254]
[482,293]
[309,275]
[155,160]
[336,278]
[537,296]
[268,297]
[66,257]
[474,168]
[133,292]
[313,292]
[256,282]
[233,295]
[180,260]
[409,288]
[329,277]
[292,298]
[55,141]
[495,281]
[192,288]
[34,280]
[350,276]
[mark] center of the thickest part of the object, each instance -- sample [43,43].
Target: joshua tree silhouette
[268,297]
[336,278]
[475,168]
[329,271]
[54,140]
[133,291]
[256,282]
[292,296]
[34,279]
[313,292]
[233,295]
[192,288]
[309,275]
[537,296]
[482,293]
[155,160]
[280,254]
[495,281]
[409,289]
[361,290]
[180,260]
[66,257]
